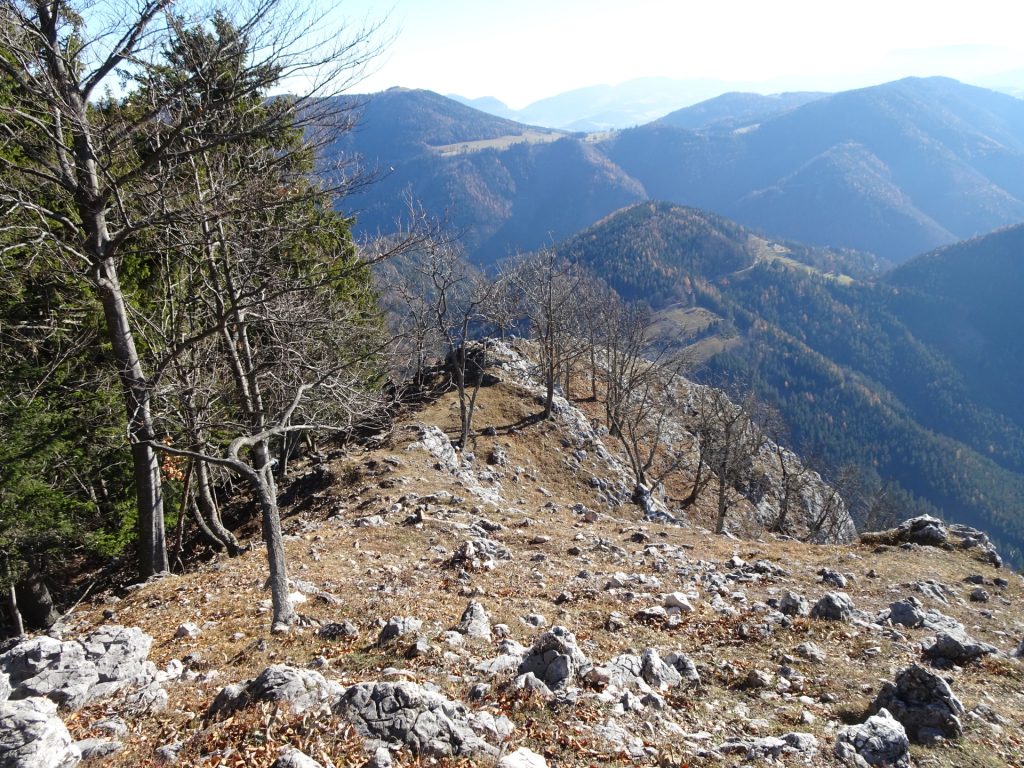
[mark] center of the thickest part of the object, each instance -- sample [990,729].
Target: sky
[530,49]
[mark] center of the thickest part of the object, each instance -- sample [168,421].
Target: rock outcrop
[880,741]
[301,690]
[32,735]
[923,703]
[407,714]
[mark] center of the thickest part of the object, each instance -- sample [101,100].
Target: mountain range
[909,374]
[911,377]
[895,169]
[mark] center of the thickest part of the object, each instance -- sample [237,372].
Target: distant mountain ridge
[896,169]
[913,377]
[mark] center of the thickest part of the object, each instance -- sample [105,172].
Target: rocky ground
[513,608]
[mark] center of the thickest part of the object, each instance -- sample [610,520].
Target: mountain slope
[426,610]
[735,110]
[887,375]
[895,169]
[505,185]
[926,161]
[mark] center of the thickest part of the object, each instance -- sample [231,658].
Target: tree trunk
[206,506]
[17,627]
[266,491]
[145,462]
[723,491]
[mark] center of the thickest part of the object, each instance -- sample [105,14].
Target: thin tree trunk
[266,491]
[13,613]
[145,462]
[206,506]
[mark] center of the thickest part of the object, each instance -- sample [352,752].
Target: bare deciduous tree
[81,173]
[548,287]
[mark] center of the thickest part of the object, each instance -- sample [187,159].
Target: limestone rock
[475,622]
[5,687]
[187,630]
[834,606]
[523,758]
[684,665]
[907,613]
[407,714]
[338,630]
[300,689]
[33,736]
[793,604]
[956,647]
[97,749]
[398,626]
[772,748]
[555,658]
[923,703]
[74,673]
[880,741]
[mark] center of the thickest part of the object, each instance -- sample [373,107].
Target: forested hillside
[894,169]
[886,374]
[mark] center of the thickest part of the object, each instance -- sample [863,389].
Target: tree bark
[266,492]
[13,613]
[145,462]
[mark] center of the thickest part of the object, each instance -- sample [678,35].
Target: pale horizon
[541,48]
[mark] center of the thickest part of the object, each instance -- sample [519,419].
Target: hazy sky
[525,50]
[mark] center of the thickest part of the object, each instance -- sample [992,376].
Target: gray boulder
[923,703]
[33,736]
[925,530]
[555,658]
[684,665]
[398,626]
[301,690]
[475,622]
[834,606]
[880,741]
[907,613]
[75,673]
[793,604]
[5,687]
[955,647]
[51,669]
[406,714]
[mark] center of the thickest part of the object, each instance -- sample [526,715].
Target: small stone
[97,749]
[979,595]
[834,606]
[523,758]
[678,600]
[811,652]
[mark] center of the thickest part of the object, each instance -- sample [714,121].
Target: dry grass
[400,569]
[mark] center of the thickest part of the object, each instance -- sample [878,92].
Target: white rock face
[33,736]
[523,758]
